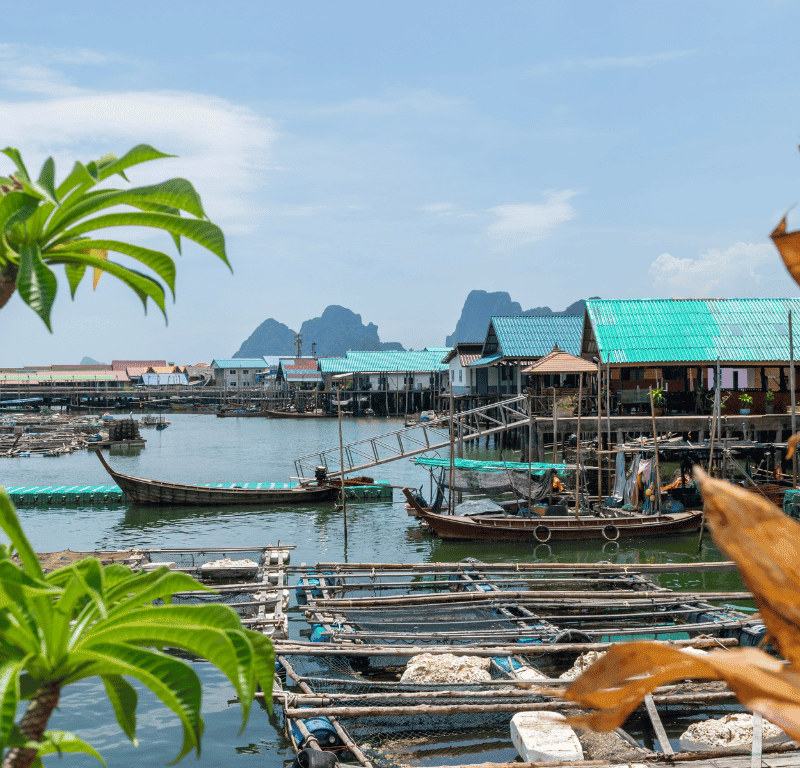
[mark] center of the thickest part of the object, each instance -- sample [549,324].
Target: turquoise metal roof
[692,330]
[531,336]
[385,362]
[253,362]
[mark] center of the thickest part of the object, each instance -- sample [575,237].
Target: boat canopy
[536,468]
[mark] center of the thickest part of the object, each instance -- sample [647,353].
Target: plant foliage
[45,224]
[86,620]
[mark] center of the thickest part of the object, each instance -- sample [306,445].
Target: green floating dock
[43,496]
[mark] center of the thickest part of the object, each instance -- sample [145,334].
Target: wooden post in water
[555,428]
[791,387]
[530,449]
[599,436]
[341,463]
[451,500]
[578,449]
[657,483]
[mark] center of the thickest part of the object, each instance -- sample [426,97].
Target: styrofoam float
[544,736]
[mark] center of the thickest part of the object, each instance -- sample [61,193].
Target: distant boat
[296,415]
[158,492]
[222,414]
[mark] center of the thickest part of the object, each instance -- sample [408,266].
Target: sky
[392,157]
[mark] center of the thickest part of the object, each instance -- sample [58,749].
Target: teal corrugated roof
[530,336]
[384,362]
[692,330]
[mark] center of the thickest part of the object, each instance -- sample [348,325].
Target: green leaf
[9,674]
[9,522]
[263,662]
[142,285]
[79,179]
[173,681]
[158,584]
[159,262]
[36,283]
[124,699]
[17,159]
[47,179]
[58,742]
[75,273]
[15,208]
[202,232]
[141,153]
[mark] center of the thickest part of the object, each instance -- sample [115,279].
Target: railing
[420,438]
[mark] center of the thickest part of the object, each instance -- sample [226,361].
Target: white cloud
[610,62]
[735,271]
[224,148]
[523,223]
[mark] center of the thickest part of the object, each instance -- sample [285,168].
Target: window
[460,374]
[245,372]
[632,374]
[233,373]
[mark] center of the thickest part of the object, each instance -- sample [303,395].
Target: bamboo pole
[510,595]
[657,482]
[451,500]
[721,565]
[555,429]
[454,709]
[578,450]
[341,465]
[307,648]
[599,435]
[792,388]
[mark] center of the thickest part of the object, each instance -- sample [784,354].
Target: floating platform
[44,496]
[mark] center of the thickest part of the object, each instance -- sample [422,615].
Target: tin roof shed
[689,331]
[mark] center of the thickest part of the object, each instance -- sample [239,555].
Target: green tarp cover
[488,466]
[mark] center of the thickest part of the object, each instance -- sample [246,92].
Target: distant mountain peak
[336,331]
[481,306]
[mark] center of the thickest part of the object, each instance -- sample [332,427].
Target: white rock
[582,663]
[226,562]
[731,730]
[446,668]
[544,736]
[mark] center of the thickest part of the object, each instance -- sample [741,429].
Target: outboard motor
[320,475]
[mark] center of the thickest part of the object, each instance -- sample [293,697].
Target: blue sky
[393,157]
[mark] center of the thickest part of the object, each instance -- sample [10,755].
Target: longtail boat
[536,529]
[139,490]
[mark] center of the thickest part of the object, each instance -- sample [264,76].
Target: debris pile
[446,668]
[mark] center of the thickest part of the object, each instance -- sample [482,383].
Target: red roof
[122,365]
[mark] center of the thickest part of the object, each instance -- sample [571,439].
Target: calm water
[198,449]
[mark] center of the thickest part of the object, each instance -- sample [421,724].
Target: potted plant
[659,400]
[565,406]
[769,406]
[746,400]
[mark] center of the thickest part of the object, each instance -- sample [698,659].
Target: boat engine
[320,475]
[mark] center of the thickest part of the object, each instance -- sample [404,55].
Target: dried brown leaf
[615,685]
[791,445]
[788,245]
[765,545]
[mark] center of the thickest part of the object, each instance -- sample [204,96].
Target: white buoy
[544,736]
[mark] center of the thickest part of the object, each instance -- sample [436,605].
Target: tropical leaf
[47,180]
[173,681]
[62,742]
[9,522]
[123,698]
[36,283]
[143,285]
[202,232]
[141,153]
[75,273]
[16,157]
[9,675]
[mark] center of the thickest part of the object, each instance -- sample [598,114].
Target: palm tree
[88,620]
[44,225]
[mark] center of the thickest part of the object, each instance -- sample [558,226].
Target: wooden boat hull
[545,529]
[139,490]
[240,414]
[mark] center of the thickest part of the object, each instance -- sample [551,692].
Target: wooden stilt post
[341,463]
[578,448]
